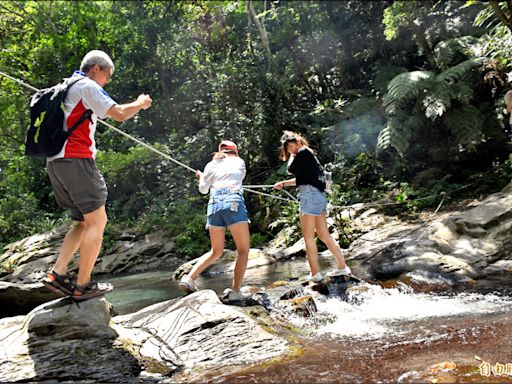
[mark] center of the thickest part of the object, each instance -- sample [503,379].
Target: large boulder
[67,341]
[63,341]
[19,299]
[198,331]
[148,253]
[29,259]
[449,249]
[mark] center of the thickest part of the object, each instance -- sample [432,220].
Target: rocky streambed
[437,309]
[68,341]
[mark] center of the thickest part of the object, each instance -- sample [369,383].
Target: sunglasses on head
[288,138]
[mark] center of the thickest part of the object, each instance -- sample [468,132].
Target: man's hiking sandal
[92,289]
[63,285]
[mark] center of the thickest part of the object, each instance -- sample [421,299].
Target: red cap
[227,145]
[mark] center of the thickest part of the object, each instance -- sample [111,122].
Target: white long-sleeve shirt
[225,173]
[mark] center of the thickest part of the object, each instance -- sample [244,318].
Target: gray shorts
[78,185]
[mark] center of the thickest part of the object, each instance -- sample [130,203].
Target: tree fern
[403,87]
[420,100]
[395,134]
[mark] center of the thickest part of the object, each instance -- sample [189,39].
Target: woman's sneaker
[316,278]
[340,272]
[232,295]
[187,284]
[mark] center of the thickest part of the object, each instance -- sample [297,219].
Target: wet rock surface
[62,341]
[68,341]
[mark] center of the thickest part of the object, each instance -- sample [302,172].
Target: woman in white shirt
[223,177]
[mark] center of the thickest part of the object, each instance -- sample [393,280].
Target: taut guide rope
[248,188]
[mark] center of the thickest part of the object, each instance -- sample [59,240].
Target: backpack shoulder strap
[86,115]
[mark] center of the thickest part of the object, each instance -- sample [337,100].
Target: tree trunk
[264,38]
[506,20]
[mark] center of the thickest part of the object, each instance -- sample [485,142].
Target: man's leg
[91,243]
[70,245]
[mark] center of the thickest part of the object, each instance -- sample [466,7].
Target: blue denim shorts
[312,201]
[226,208]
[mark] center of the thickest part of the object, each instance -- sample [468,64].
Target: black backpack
[46,135]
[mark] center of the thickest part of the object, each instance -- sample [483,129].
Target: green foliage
[24,198]
[444,104]
[351,76]
[287,225]
[455,50]
[399,15]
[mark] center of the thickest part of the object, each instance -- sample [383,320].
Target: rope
[404,235]
[375,204]
[151,148]
[248,188]
[19,82]
[444,194]
[269,195]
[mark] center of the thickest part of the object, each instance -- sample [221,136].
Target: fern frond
[454,50]
[384,138]
[393,135]
[405,86]
[462,92]
[435,107]
[459,71]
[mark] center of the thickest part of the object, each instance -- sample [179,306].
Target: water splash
[373,312]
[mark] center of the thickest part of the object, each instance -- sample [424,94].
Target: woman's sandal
[92,289]
[63,285]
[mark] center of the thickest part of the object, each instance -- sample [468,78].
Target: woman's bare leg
[324,235]
[307,223]
[217,237]
[241,235]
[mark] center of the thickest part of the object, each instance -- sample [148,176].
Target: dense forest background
[400,99]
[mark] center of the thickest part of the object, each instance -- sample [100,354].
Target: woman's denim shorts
[312,201]
[226,208]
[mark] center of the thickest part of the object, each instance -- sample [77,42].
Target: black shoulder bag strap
[86,115]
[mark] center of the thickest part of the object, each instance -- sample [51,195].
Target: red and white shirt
[83,95]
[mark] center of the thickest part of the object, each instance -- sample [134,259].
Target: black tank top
[307,169]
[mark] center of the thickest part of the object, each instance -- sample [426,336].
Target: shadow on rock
[62,340]
[20,299]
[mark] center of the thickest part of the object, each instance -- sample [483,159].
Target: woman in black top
[310,181]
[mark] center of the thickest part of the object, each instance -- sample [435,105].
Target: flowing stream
[377,334]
